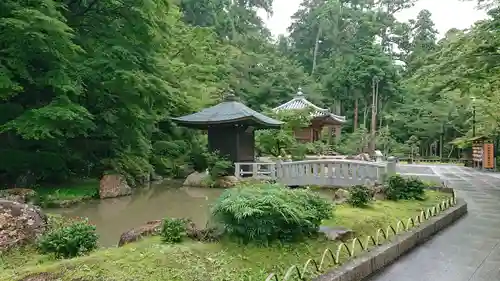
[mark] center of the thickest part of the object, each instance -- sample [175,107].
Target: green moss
[68,194]
[152,260]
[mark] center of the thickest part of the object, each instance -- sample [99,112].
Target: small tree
[412,146]
[356,142]
[385,141]
[283,142]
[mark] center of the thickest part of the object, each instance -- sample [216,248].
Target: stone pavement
[466,251]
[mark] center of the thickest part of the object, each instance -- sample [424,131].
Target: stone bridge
[324,172]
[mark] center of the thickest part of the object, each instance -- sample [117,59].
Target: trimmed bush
[399,188]
[359,196]
[267,212]
[75,239]
[172,230]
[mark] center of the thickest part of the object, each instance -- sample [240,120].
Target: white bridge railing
[324,172]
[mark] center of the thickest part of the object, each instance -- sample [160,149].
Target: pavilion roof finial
[230,96]
[299,93]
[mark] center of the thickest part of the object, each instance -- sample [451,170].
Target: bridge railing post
[278,169]
[390,169]
[237,170]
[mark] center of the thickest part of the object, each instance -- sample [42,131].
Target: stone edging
[385,254]
[378,250]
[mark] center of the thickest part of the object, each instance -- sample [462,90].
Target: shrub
[75,239]
[218,165]
[172,230]
[399,188]
[266,212]
[359,196]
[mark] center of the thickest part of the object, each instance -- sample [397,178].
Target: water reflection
[114,216]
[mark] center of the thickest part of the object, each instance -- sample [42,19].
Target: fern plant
[269,212]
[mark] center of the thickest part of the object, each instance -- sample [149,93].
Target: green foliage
[217,165]
[282,142]
[172,230]
[75,239]
[359,196]
[354,143]
[90,87]
[265,213]
[399,188]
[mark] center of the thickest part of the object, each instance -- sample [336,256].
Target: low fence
[314,267]
[451,161]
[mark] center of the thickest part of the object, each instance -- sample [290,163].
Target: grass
[194,261]
[67,194]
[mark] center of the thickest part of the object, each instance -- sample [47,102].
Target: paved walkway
[469,250]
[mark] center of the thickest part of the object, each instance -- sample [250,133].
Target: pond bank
[152,260]
[65,195]
[114,216]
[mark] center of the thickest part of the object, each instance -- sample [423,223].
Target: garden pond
[114,216]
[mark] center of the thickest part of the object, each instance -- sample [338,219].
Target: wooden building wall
[237,143]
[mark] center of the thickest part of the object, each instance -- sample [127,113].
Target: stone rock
[149,229]
[42,276]
[226,181]
[362,157]
[378,191]
[197,179]
[208,234]
[19,223]
[21,195]
[341,195]
[112,186]
[336,233]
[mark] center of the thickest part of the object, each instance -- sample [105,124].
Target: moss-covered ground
[67,194]
[151,260]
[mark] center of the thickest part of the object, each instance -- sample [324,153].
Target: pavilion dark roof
[229,111]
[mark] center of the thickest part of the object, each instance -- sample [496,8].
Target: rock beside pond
[149,229]
[208,234]
[19,223]
[21,195]
[42,276]
[341,196]
[378,192]
[152,228]
[336,233]
[226,181]
[112,186]
[197,179]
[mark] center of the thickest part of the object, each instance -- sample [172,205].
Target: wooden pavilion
[231,128]
[321,118]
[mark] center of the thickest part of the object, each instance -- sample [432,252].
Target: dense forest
[88,86]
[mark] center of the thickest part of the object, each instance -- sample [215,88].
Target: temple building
[321,118]
[231,128]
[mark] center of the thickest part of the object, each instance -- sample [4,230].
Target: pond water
[114,216]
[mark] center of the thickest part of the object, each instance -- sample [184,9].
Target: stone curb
[383,255]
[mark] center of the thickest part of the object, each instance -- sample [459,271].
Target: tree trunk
[373,130]
[316,47]
[379,109]
[356,105]
[365,116]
